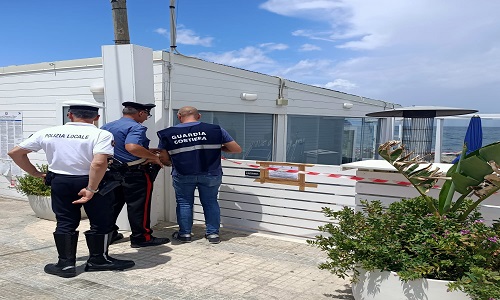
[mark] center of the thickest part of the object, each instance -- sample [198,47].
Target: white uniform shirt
[70,148]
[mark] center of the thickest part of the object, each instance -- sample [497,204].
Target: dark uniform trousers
[136,191]
[99,209]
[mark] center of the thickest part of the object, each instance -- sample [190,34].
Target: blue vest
[194,150]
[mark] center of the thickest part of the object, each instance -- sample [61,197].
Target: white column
[438,144]
[128,76]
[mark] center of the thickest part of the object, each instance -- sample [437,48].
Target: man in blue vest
[194,150]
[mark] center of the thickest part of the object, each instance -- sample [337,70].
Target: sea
[453,137]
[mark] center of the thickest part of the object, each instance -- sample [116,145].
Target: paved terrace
[242,266]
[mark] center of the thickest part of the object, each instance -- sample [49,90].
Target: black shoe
[183,238]
[107,263]
[154,241]
[61,270]
[116,237]
[213,238]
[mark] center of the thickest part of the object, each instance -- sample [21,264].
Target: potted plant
[417,244]
[38,194]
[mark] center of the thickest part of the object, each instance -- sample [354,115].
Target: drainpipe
[169,209]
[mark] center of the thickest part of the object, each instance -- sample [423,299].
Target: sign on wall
[11,134]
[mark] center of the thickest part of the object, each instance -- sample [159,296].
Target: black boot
[66,248]
[98,255]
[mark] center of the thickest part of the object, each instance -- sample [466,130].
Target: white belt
[136,162]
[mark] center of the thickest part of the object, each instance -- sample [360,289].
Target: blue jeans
[208,188]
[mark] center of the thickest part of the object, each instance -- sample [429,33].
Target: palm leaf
[421,174]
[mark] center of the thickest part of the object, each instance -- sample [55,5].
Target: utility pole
[173,30]
[120,21]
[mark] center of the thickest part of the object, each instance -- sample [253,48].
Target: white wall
[38,91]
[391,192]
[215,87]
[279,209]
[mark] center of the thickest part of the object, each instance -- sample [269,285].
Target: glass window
[359,139]
[253,132]
[330,140]
[65,115]
[65,110]
[314,139]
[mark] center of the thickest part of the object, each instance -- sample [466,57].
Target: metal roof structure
[422,112]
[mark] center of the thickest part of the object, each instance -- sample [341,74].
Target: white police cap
[83,105]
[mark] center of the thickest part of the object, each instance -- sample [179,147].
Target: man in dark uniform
[77,154]
[194,149]
[142,166]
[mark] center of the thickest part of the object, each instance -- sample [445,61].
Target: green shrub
[407,239]
[30,185]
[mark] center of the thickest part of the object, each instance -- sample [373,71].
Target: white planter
[42,206]
[376,285]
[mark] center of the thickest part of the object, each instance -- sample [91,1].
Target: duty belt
[136,162]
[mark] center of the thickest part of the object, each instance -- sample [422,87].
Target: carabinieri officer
[77,154]
[142,166]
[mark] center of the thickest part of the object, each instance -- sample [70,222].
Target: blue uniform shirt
[226,138]
[127,131]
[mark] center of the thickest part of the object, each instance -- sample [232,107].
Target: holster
[114,165]
[114,176]
[152,170]
[110,181]
[48,178]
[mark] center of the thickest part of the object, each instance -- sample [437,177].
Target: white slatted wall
[388,193]
[279,209]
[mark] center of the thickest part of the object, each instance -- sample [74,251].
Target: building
[272,118]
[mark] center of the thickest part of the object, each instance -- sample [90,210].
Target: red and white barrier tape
[331,175]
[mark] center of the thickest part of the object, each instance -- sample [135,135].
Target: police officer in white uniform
[77,154]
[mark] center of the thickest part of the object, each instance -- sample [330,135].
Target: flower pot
[42,206]
[385,285]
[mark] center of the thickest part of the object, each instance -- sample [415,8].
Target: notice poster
[282,172]
[11,134]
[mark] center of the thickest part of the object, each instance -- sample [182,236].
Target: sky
[427,52]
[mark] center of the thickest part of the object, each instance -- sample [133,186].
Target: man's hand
[39,175]
[155,161]
[163,155]
[86,196]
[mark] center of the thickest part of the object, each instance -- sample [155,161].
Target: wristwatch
[91,190]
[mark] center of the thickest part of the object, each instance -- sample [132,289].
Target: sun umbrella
[473,137]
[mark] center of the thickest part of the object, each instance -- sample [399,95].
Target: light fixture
[347,105]
[97,89]
[248,97]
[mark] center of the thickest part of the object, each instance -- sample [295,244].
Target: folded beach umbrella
[473,137]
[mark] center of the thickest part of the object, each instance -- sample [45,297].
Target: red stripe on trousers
[147,236]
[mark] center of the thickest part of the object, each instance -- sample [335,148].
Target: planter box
[385,285]
[42,206]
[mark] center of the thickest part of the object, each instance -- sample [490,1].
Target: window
[313,139]
[359,139]
[65,119]
[253,132]
[330,140]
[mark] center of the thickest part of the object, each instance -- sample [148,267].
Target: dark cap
[139,106]
[83,105]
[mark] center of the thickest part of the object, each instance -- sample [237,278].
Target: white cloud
[187,37]
[311,70]
[273,46]
[411,52]
[341,84]
[309,47]
[250,58]
[162,31]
